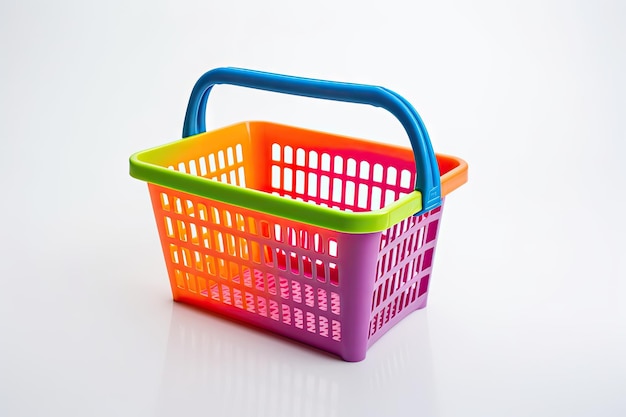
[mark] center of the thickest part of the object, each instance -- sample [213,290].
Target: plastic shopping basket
[322,238]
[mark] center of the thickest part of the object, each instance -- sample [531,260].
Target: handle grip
[427,171]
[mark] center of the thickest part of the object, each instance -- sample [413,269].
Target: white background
[527,308]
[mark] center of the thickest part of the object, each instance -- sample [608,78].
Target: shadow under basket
[331,255]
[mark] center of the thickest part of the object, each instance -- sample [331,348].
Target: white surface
[527,309]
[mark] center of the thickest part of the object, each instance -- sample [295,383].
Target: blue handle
[427,178]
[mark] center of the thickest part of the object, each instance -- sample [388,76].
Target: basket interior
[332,171]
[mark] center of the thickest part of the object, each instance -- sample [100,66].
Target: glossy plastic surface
[330,288]
[310,235]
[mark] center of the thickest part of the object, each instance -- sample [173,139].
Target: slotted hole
[362,197]
[334,273]
[215,215]
[276,152]
[228,219]
[192,168]
[351,167]
[423,288]
[332,247]
[304,239]
[165,202]
[377,174]
[212,164]
[198,261]
[239,152]
[318,243]
[323,326]
[288,179]
[322,300]
[307,267]
[278,233]
[293,261]
[288,155]
[338,165]
[405,179]
[337,190]
[189,209]
[194,234]
[364,171]
[242,176]
[325,162]
[202,162]
[390,197]
[275,176]
[300,157]
[312,185]
[174,253]
[310,322]
[324,187]
[392,174]
[349,196]
[376,198]
[230,157]
[313,160]
[300,181]
[292,236]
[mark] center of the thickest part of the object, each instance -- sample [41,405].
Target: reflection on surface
[229,369]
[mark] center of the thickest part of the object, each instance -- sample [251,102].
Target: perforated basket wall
[336,291]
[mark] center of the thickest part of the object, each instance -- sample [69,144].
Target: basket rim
[370,221]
